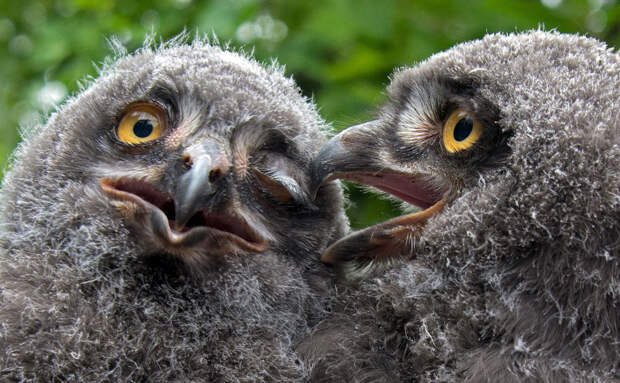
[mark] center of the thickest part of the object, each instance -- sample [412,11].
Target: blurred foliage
[340,52]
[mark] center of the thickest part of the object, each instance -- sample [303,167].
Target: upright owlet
[510,145]
[158,227]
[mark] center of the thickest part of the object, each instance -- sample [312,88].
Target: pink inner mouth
[392,238]
[145,192]
[411,189]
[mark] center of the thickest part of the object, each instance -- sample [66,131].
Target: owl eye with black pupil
[143,128]
[460,131]
[141,122]
[463,128]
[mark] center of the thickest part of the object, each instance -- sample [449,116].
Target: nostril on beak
[215,174]
[187,161]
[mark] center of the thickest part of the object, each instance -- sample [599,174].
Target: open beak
[354,155]
[182,218]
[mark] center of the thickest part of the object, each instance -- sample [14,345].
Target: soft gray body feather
[518,279]
[87,297]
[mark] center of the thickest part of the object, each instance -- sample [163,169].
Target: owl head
[503,144]
[188,153]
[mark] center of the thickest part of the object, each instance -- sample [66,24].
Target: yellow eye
[461,131]
[141,122]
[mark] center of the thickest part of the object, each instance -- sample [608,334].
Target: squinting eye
[460,131]
[277,190]
[283,188]
[141,122]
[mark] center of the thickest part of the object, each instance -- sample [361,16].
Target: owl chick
[158,227]
[510,145]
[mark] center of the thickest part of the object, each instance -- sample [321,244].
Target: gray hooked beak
[207,163]
[355,154]
[346,152]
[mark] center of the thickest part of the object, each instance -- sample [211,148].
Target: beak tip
[323,165]
[177,227]
[181,215]
[315,185]
[326,257]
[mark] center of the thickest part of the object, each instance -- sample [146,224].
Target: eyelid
[276,189]
[283,187]
[276,141]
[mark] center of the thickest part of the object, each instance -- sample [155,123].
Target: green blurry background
[340,52]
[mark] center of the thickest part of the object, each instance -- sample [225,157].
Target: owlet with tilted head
[158,227]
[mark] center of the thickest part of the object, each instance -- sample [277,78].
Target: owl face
[430,143]
[486,126]
[202,153]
